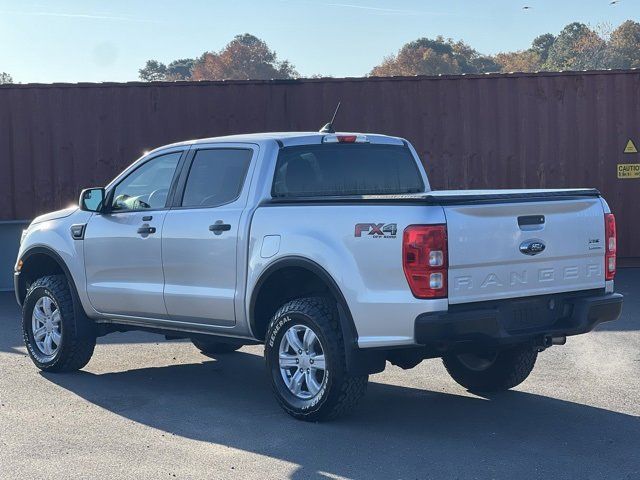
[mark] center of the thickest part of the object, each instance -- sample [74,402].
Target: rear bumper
[517,320]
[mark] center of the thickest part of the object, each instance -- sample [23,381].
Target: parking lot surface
[149,408]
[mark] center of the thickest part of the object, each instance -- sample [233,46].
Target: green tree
[245,57]
[563,52]
[542,44]
[470,60]
[180,69]
[426,56]
[153,71]
[484,64]
[579,47]
[5,78]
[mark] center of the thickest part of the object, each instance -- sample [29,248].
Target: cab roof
[286,139]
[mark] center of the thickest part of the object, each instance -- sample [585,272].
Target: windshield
[346,169]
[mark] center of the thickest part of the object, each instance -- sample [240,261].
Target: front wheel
[56,338]
[305,358]
[492,370]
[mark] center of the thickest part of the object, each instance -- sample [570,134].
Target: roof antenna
[328,128]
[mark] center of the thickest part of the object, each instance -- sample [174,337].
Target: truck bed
[451,197]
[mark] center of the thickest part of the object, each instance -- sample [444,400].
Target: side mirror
[92,199]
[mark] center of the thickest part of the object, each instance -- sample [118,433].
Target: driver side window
[146,187]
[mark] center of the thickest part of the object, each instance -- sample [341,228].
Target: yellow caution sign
[630,148]
[629,170]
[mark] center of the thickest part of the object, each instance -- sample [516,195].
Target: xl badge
[532,247]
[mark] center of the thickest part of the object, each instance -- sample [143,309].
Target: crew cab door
[122,248]
[200,235]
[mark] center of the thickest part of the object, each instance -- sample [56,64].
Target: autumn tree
[5,78]
[417,61]
[591,52]
[624,45]
[245,57]
[426,56]
[521,61]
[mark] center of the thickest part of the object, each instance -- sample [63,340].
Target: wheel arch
[39,261]
[298,267]
[359,361]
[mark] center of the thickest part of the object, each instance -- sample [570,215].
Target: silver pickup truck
[329,248]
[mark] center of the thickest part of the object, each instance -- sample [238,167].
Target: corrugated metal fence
[489,131]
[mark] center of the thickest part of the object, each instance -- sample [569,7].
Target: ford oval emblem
[532,247]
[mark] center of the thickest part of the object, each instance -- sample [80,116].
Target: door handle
[219,227]
[147,218]
[146,230]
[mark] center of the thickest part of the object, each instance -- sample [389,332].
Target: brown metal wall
[492,131]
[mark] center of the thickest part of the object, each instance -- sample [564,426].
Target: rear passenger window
[216,177]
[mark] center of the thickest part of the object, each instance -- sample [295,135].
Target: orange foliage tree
[245,57]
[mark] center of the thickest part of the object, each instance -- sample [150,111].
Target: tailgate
[517,248]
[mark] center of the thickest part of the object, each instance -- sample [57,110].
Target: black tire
[78,337]
[340,392]
[503,370]
[211,347]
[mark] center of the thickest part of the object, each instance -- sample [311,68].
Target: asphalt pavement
[149,408]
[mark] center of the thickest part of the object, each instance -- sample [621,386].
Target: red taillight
[347,138]
[425,260]
[611,247]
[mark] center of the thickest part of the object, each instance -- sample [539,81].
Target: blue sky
[91,40]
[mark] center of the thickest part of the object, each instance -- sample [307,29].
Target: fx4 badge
[377,230]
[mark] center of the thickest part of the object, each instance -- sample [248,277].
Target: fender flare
[346,320]
[359,361]
[55,256]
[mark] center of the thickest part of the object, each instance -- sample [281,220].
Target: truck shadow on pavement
[627,283]
[397,432]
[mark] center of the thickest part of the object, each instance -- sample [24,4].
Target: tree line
[576,47]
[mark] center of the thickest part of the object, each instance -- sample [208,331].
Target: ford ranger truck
[332,251]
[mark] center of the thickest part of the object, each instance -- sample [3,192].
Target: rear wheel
[211,347]
[305,359]
[56,338]
[492,370]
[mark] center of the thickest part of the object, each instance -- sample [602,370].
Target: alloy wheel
[46,326]
[302,362]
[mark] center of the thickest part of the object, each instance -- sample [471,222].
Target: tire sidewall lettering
[273,341]
[276,329]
